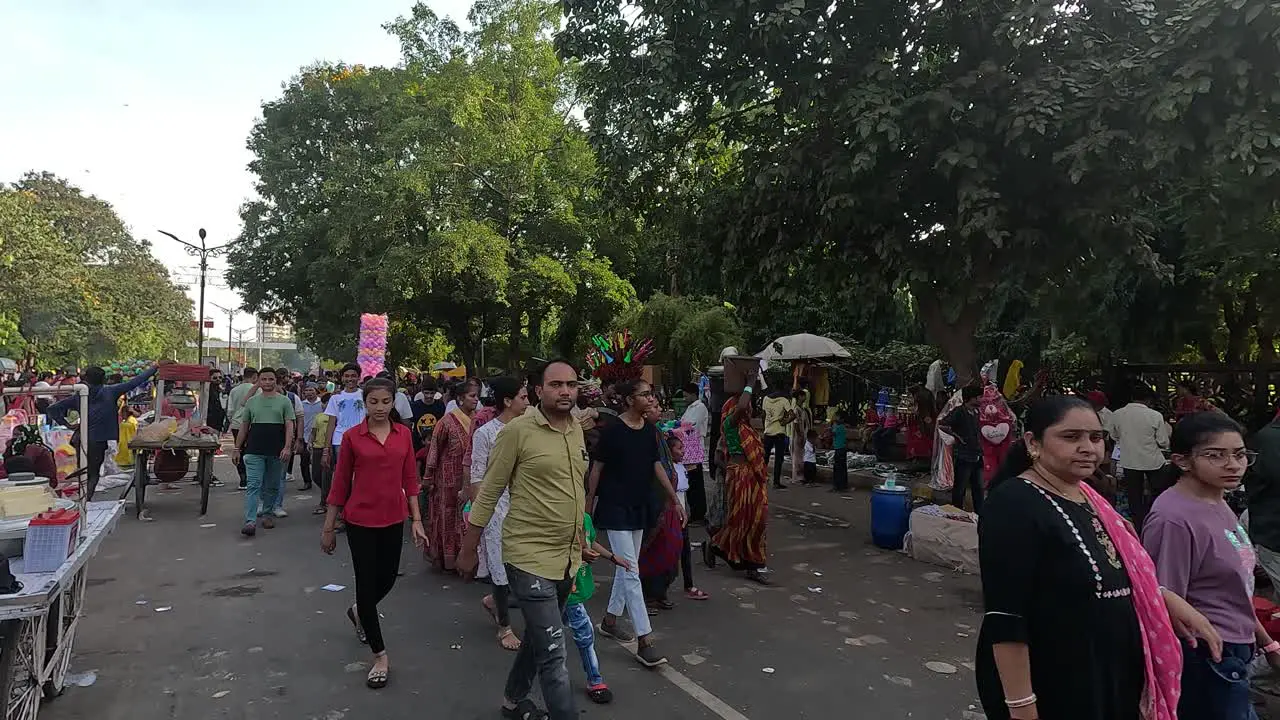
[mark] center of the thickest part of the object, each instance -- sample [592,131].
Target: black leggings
[375,557]
[502,604]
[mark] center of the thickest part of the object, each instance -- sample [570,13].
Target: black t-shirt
[964,426]
[625,495]
[425,417]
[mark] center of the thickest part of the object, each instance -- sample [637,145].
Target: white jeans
[626,593]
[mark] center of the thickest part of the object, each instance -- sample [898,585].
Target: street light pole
[230,316]
[203,252]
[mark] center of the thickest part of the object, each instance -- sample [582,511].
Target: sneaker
[268,522]
[280,513]
[650,657]
[242,487]
[249,530]
[615,631]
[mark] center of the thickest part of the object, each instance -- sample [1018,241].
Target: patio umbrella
[804,346]
[446,365]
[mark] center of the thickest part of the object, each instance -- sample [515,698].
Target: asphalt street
[187,619]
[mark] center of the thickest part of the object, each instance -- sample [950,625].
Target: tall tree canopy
[453,191]
[967,152]
[75,286]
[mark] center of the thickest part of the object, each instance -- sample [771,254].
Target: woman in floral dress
[447,476]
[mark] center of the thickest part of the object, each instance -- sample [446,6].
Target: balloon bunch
[127,368]
[372,352]
[617,356]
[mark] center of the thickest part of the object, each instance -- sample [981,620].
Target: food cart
[38,623]
[205,446]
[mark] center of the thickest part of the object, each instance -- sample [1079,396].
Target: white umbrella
[446,365]
[804,346]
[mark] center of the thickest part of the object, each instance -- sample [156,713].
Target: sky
[148,104]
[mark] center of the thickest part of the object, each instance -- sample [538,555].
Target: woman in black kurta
[1062,637]
[1039,588]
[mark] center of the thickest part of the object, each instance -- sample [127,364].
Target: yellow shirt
[774,409]
[545,470]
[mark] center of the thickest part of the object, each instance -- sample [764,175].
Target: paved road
[846,632]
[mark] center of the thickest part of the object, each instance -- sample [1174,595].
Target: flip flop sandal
[319,511]
[355,623]
[509,633]
[664,604]
[696,594]
[651,610]
[524,710]
[377,679]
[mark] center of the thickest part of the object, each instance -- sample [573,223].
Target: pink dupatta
[1161,650]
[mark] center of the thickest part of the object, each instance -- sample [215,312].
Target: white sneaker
[280,513]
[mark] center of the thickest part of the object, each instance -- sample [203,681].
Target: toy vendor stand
[182,392]
[38,621]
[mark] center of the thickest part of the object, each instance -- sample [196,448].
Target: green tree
[445,191]
[964,152]
[79,287]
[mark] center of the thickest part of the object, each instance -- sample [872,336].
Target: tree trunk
[535,333]
[514,336]
[956,338]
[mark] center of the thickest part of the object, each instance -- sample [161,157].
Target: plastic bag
[158,431]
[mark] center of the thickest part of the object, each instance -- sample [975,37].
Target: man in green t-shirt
[266,439]
[576,617]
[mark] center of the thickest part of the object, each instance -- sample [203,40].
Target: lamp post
[230,316]
[204,253]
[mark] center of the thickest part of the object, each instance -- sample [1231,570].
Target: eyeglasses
[643,394]
[1218,456]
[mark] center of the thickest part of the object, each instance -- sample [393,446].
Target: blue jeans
[1216,691]
[576,617]
[262,475]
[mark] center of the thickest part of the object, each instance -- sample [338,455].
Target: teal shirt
[838,441]
[584,581]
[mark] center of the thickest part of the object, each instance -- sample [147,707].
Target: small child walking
[810,458]
[579,621]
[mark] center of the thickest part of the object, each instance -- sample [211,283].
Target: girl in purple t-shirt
[1203,554]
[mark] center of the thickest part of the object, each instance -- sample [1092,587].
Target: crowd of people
[1104,599]
[510,480]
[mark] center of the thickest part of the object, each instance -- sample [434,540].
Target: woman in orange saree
[740,541]
[446,476]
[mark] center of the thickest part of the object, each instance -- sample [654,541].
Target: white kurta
[491,540]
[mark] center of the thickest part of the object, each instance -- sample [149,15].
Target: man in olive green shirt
[542,459]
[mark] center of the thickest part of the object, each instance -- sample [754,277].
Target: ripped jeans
[542,652]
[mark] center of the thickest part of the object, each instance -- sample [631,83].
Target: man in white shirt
[347,410]
[697,415]
[1142,438]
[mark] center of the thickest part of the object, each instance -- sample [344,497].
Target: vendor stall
[182,393]
[42,593]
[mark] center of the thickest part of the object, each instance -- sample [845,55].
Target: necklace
[1059,491]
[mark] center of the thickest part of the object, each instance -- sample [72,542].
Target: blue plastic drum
[890,516]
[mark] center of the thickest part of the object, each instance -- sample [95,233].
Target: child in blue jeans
[579,621]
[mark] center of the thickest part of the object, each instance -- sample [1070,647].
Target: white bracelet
[1028,700]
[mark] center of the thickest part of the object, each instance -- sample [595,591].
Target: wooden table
[141,476]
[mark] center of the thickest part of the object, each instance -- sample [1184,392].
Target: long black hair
[1042,414]
[1195,429]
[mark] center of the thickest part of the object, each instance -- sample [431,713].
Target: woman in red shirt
[375,485]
